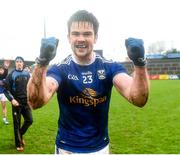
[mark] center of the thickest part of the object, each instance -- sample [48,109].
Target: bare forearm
[37,95]
[139,91]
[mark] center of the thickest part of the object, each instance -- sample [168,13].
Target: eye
[87,34]
[75,33]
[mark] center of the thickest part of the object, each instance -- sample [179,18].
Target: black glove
[47,51]
[135,51]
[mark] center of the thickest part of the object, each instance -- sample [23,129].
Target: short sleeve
[54,72]
[117,68]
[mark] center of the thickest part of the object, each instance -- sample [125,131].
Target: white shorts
[104,151]
[3,97]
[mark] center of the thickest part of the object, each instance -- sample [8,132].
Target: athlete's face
[19,64]
[82,38]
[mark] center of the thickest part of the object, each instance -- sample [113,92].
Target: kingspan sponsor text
[87,101]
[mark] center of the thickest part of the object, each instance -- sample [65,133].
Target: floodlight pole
[44,27]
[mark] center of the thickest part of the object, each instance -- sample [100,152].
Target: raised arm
[136,88]
[40,88]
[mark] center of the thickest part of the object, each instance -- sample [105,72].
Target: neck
[84,60]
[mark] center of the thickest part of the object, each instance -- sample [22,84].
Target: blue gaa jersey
[84,95]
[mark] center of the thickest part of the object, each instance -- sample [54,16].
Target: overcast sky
[22,24]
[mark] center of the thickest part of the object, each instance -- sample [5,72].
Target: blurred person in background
[16,85]
[3,73]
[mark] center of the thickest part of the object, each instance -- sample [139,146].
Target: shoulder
[102,59]
[24,72]
[107,62]
[66,61]
[61,65]
[11,75]
[13,71]
[113,66]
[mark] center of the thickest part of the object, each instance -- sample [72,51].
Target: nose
[81,37]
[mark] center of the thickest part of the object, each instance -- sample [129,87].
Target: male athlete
[83,82]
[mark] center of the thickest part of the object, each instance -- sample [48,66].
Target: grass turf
[152,129]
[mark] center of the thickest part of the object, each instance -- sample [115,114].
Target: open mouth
[80,46]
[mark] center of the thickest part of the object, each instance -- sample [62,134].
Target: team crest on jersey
[101,74]
[88,92]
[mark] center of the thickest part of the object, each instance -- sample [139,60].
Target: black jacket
[16,83]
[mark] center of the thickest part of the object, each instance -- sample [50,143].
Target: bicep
[52,85]
[122,82]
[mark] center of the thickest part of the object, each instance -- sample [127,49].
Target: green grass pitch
[153,129]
